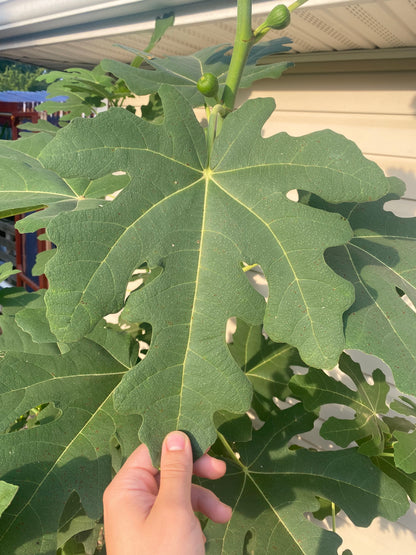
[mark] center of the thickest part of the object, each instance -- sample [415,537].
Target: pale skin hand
[152,513]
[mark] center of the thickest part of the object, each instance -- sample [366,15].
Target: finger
[208,467]
[206,502]
[137,473]
[139,459]
[176,470]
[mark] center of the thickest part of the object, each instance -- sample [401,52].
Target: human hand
[152,513]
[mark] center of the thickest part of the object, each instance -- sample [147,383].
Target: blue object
[28,96]
[31,250]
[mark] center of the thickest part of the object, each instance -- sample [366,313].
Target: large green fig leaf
[26,185]
[380,261]
[198,221]
[271,487]
[266,364]
[368,401]
[184,71]
[70,452]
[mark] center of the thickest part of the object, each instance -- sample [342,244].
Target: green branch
[242,46]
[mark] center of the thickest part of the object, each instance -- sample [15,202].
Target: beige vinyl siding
[376,109]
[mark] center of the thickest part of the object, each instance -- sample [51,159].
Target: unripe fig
[278,18]
[208,84]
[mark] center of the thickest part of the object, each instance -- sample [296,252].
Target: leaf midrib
[188,349]
[55,378]
[381,262]
[265,361]
[285,254]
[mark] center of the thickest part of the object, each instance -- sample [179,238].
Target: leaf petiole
[229,450]
[215,120]
[296,4]
[334,526]
[250,267]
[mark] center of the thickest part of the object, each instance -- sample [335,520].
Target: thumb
[176,467]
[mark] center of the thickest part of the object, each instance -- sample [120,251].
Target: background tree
[15,76]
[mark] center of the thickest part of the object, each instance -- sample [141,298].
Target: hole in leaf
[141,332]
[301,370]
[369,363]
[230,329]
[293,195]
[288,402]
[140,277]
[144,338]
[370,380]
[400,208]
[256,278]
[39,415]
[249,547]
[405,299]
[256,421]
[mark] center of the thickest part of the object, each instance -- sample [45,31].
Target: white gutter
[25,23]
[23,16]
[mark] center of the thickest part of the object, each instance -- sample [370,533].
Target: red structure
[10,114]
[24,265]
[17,107]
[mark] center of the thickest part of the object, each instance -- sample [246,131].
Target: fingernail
[175,441]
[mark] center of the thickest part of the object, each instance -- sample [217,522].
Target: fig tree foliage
[198,206]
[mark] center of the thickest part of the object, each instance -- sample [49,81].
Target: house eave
[75,34]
